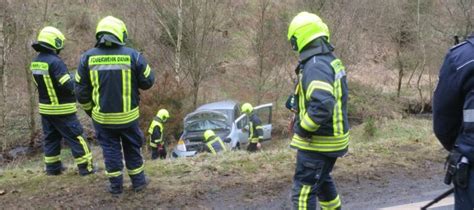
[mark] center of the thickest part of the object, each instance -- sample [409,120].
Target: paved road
[395,194]
[397,190]
[406,196]
[445,204]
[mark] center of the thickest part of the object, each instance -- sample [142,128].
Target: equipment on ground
[437,199]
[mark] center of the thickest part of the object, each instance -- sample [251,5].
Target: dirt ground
[399,164]
[385,186]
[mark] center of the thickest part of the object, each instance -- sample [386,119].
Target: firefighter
[213,143]
[255,128]
[453,119]
[107,86]
[57,104]
[157,144]
[321,129]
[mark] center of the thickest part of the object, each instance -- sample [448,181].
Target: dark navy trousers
[113,142]
[68,127]
[464,198]
[312,181]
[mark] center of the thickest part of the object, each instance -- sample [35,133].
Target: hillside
[386,49]
[211,50]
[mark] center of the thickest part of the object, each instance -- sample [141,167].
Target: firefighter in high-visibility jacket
[107,86]
[255,128]
[156,132]
[321,129]
[57,104]
[213,143]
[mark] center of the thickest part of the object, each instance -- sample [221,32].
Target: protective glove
[301,131]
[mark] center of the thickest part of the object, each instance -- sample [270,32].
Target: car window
[203,125]
[265,115]
[236,113]
[242,123]
[228,113]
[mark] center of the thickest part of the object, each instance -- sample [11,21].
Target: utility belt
[457,169]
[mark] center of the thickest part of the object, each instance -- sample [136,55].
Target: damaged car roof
[227,104]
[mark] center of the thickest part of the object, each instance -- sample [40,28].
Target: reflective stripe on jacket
[322,103]
[215,145]
[156,132]
[108,81]
[55,87]
[256,129]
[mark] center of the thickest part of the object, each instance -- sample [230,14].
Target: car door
[240,131]
[264,112]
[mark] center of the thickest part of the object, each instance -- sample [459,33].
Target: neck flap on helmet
[317,46]
[45,48]
[108,40]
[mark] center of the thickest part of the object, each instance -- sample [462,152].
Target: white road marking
[416,206]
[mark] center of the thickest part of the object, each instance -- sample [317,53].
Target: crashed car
[225,120]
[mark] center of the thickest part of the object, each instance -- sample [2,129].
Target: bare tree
[179,37]
[200,40]
[268,45]
[463,14]
[3,42]
[29,79]
[457,18]
[422,47]
[261,39]
[402,31]
[195,30]
[167,22]
[315,5]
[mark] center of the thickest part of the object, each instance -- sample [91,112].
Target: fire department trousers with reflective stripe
[113,141]
[464,197]
[312,181]
[68,127]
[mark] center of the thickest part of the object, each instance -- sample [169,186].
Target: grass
[400,144]
[397,144]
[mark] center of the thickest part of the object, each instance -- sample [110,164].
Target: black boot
[141,187]
[85,170]
[115,190]
[56,172]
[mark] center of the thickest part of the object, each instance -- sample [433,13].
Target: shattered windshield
[203,125]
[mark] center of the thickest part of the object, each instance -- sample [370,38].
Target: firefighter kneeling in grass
[213,143]
[57,105]
[321,127]
[157,143]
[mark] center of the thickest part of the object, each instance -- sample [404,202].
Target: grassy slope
[396,145]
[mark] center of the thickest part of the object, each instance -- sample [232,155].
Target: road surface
[394,191]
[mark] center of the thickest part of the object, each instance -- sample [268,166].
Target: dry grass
[397,144]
